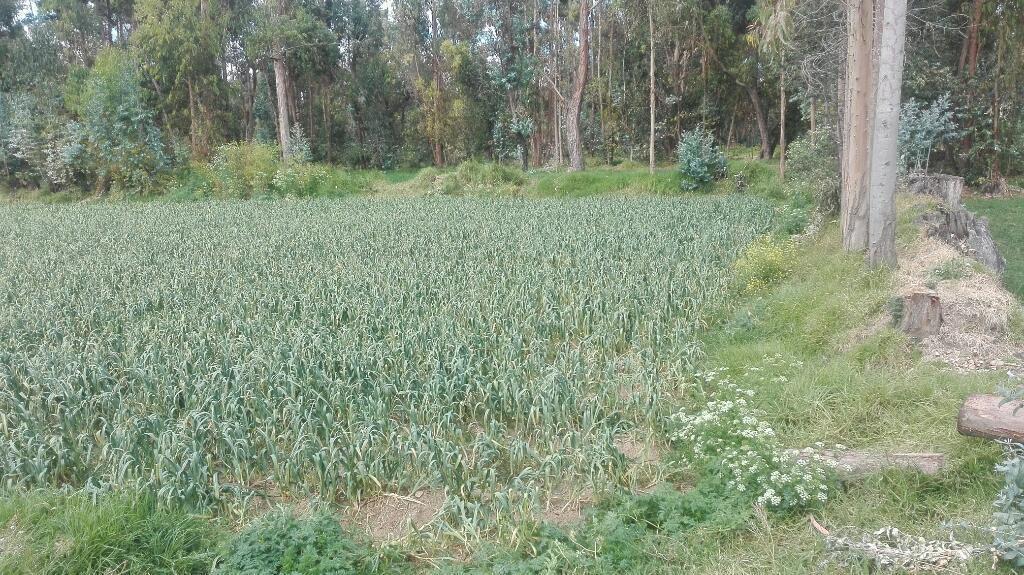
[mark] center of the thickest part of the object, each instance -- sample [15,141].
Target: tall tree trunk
[579,85]
[281,81]
[782,124]
[857,126]
[762,121]
[997,110]
[972,43]
[885,138]
[650,24]
[283,123]
[435,64]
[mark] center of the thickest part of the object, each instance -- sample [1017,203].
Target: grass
[43,533]
[823,376]
[1006,217]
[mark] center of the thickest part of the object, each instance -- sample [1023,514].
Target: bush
[766,262]
[245,169]
[286,545]
[922,127]
[729,440]
[117,126]
[475,177]
[813,165]
[700,160]
[309,180]
[1009,515]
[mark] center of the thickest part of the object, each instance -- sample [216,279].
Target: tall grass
[43,533]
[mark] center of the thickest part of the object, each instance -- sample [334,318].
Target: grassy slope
[873,393]
[1006,216]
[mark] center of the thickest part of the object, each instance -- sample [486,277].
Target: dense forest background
[104,95]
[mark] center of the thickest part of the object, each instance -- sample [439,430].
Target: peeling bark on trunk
[857,126]
[579,85]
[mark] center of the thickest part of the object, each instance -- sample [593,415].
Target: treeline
[116,94]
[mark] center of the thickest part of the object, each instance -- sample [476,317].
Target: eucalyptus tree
[579,85]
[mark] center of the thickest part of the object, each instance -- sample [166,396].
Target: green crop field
[210,353]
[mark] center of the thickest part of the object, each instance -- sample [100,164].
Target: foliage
[45,533]
[729,439]
[283,544]
[1009,515]
[245,170]
[125,146]
[299,150]
[812,163]
[700,160]
[765,263]
[617,536]
[387,375]
[922,128]
[477,178]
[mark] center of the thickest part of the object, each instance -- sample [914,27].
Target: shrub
[475,177]
[284,544]
[700,160]
[309,180]
[195,182]
[124,143]
[729,440]
[1009,515]
[766,262]
[813,165]
[922,127]
[245,169]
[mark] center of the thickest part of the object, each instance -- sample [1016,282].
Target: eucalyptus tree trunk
[762,121]
[650,22]
[579,85]
[782,124]
[885,138]
[437,101]
[857,126]
[281,81]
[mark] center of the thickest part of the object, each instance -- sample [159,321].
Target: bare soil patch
[391,517]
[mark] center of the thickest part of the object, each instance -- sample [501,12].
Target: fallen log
[856,464]
[991,417]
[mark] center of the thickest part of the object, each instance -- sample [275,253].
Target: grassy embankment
[1006,216]
[819,379]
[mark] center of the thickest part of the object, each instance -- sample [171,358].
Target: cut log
[857,464]
[992,417]
[949,189]
[922,314]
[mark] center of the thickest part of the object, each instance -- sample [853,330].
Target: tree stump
[967,233]
[949,189]
[992,417]
[922,314]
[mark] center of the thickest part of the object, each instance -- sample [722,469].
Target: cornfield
[209,353]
